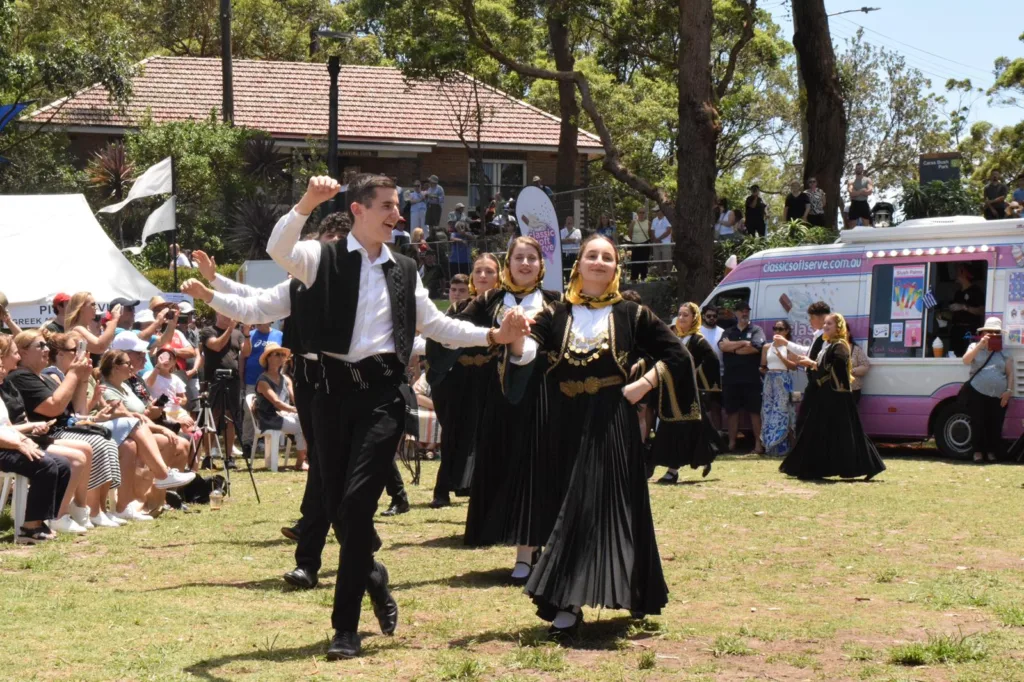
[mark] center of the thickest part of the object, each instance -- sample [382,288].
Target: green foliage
[793,233]
[163,279]
[38,164]
[940,199]
[1009,86]
[893,118]
[940,649]
[729,645]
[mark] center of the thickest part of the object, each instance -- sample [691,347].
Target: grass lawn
[918,575]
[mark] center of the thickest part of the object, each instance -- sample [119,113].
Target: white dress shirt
[804,350]
[661,230]
[250,305]
[373,331]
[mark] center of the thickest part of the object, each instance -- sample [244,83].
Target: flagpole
[174,232]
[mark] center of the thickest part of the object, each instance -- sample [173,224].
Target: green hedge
[163,279]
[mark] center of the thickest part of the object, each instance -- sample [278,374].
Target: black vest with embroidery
[327,312]
[296,325]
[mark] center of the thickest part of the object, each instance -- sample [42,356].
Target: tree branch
[734,54]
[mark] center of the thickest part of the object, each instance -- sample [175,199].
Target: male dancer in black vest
[361,311]
[816,314]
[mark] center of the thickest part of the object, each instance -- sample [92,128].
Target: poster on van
[908,292]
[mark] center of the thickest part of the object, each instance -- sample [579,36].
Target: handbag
[89,429]
[962,395]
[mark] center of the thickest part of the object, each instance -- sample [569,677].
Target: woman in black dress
[459,381]
[831,441]
[677,444]
[500,500]
[602,550]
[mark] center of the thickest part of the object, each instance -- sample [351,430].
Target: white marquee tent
[52,243]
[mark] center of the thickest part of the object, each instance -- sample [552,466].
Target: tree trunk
[826,114]
[568,109]
[696,146]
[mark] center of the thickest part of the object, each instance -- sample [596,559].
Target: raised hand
[206,264]
[197,290]
[780,341]
[320,189]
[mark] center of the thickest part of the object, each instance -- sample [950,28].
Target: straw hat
[270,349]
[992,324]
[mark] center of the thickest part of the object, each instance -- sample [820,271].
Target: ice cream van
[913,296]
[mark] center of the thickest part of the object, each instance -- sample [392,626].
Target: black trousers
[48,479]
[313,524]
[359,420]
[638,270]
[986,422]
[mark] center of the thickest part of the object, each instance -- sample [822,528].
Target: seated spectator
[163,383]
[135,441]
[80,317]
[135,385]
[275,401]
[40,402]
[56,471]
[606,228]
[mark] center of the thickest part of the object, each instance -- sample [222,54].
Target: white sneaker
[66,524]
[101,520]
[112,516]
[175,479]
[131,514]
[80,515]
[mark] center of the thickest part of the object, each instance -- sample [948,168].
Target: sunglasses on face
[779,329]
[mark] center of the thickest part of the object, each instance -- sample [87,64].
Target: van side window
[726,303]
[920,309]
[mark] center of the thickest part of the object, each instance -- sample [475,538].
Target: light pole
[334,69]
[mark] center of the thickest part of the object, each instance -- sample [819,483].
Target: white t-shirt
[182,261]
[171,386]
[721,229]
[661,226]
[575,235]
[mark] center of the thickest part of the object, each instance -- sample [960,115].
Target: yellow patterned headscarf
[843,337]
[506,281]
[472,285]
[574,292]
[695,327]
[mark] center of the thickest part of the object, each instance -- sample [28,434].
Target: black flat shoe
[290,532]
[438,502]
[344,645]
[707,470]
[301,578]
[397,507]
[384,605]
[569,632]
[670,478]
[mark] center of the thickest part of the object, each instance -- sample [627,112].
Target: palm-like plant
[109,172]
[253,220]
[262,162]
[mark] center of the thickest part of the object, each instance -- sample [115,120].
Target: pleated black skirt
[831,440]
[602,551]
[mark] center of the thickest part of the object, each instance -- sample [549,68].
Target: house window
[902,324]
[508,177]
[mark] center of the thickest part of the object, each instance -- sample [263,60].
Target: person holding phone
[988,390]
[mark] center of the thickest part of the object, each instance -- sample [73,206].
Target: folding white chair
[271,439]
[19,501]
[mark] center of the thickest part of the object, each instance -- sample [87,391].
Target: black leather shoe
[439,502]
[707,470]
[384,605]
[569,632]
[301,578]
[344,645]
[397,507]
[670,478]
[291,532]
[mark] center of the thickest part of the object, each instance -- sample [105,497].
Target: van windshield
[927,309]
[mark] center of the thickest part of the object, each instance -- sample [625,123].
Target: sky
[942,38]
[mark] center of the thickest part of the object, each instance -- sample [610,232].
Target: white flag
[156,180]
[160,220]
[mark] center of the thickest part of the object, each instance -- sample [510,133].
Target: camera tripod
[207,426]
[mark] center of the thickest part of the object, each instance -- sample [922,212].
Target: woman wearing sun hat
[988,390]
[275,401]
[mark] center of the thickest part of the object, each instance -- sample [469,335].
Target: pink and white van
[894,286]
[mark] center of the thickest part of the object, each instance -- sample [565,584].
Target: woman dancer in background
[602,551]
[459,381]
[832,442]
[690,443]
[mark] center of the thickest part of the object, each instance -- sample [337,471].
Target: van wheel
[953,431]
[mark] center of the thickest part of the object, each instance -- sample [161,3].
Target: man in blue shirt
[252,351]
[1018,194]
